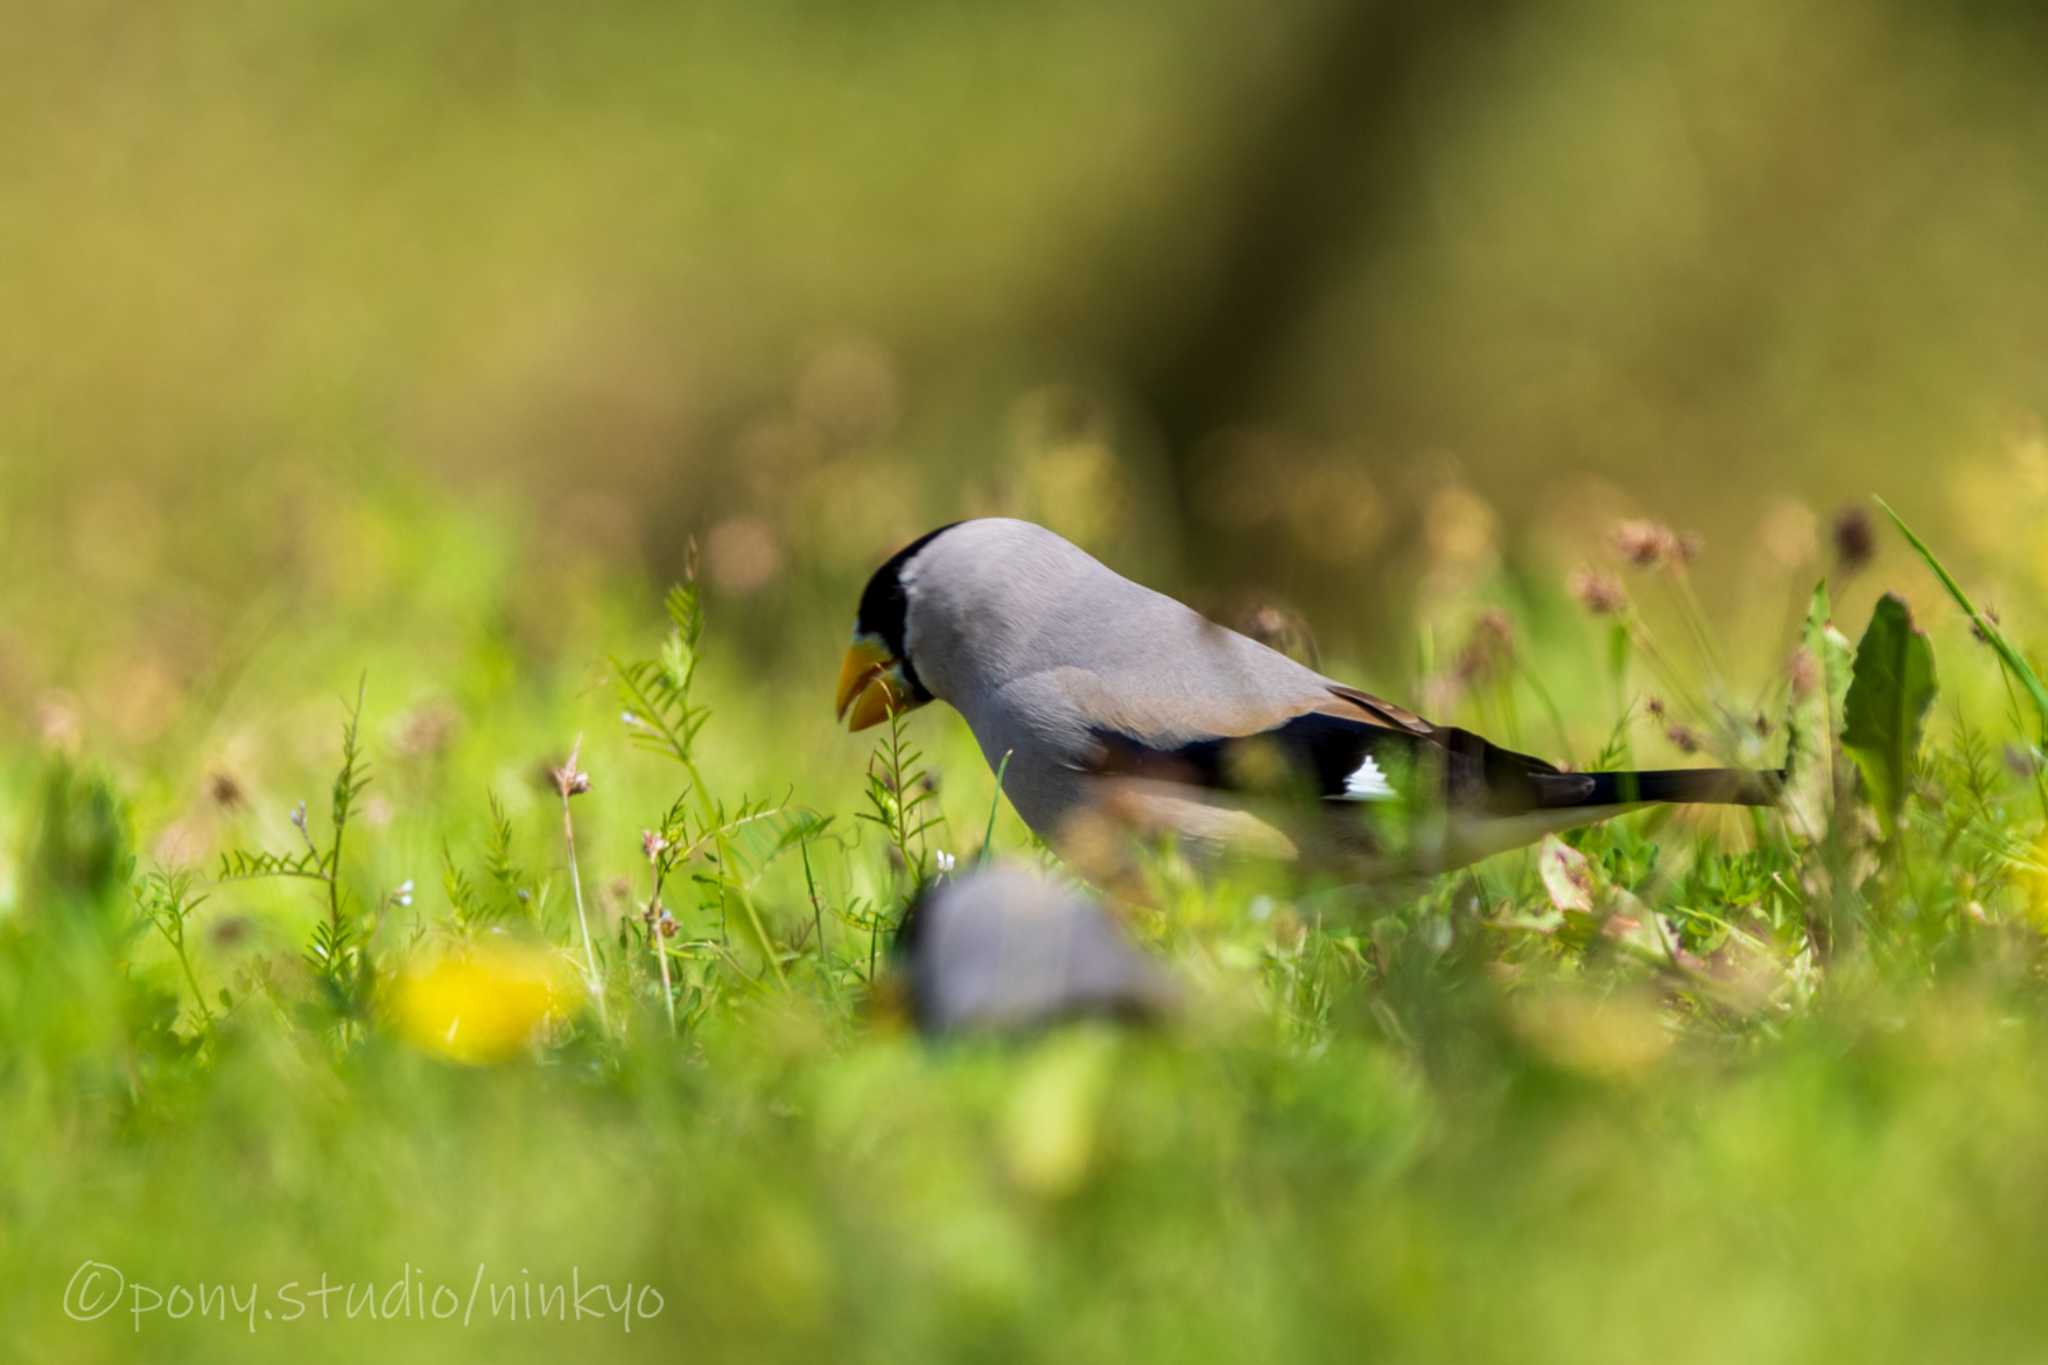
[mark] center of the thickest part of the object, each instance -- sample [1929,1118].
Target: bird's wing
[1348,701]
[1350,747]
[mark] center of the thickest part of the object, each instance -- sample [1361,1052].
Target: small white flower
[403,893]
[629,718]
[945,860]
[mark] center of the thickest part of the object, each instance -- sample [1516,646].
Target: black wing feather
[1317,752]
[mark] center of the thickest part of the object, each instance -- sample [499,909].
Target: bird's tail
[1690,786]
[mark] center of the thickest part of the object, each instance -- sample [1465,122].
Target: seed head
[224,789]
[1490,645]
[1645,544]
[569,779]
[1278,628]
[657,918]
[1855,538]
[1599,593]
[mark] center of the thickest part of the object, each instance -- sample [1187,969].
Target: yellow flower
[2034,882]
[484,1004]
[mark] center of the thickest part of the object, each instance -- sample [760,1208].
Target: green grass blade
[988,832]
[2013,660]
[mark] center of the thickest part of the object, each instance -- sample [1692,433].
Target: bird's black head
[878,674]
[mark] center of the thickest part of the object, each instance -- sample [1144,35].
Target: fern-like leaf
[354,775]
[242,865]
[461,893]
[498,864]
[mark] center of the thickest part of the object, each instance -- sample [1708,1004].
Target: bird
[1114,714]
[1004,948]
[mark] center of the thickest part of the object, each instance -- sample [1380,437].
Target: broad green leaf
[1889,693]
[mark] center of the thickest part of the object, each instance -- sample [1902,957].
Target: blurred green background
[1316,302]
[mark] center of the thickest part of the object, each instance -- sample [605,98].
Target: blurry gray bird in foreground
[1007,948]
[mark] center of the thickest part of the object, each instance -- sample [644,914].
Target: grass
[368,366]
[496,1021]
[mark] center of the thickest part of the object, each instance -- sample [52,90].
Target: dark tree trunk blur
[1311,185]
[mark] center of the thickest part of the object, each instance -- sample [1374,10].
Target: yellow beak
[864,686]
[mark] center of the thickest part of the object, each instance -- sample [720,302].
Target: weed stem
[565,783]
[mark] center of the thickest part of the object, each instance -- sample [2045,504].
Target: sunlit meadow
[440,452]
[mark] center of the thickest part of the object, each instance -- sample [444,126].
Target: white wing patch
[1368,783]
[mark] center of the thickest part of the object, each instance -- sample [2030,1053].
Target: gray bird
[1006,948]
[1123,711]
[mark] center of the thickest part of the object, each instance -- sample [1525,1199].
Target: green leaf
[354,774]
[988,833]
[1889,692]
[2014,661]
[79,849]
[1820,686]
[241,865]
